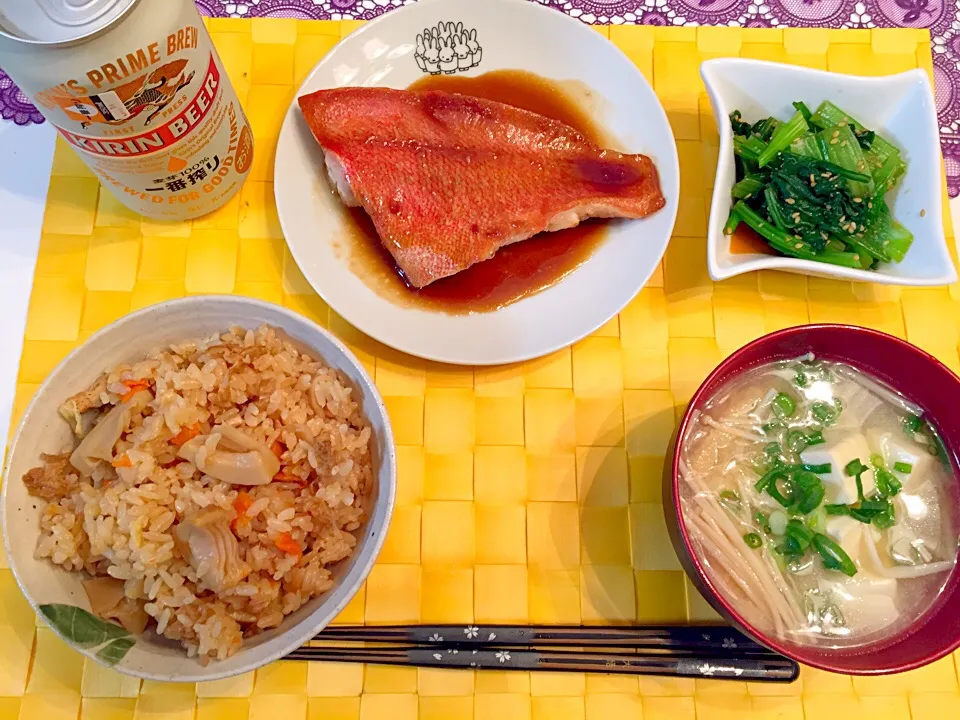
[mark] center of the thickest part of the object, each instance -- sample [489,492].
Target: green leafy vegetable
[813,187]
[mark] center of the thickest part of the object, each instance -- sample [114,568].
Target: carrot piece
[122,461]
[241,504]
[277,448]
[186,434]
[133,387]
[289,477]
[288,545]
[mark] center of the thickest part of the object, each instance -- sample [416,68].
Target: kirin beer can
[138,91]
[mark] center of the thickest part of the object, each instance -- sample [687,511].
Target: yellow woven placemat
[526,493]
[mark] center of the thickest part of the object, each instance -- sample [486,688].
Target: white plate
[899,107]
[512,34]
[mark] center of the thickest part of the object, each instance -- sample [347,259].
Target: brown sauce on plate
[746,241]
[516,271]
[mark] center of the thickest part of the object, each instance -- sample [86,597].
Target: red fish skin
[449,179]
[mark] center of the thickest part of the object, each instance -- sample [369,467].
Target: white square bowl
[899,107]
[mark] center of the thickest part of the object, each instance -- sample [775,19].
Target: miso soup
[816,498]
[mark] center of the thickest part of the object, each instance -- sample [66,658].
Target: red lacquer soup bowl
[923,380]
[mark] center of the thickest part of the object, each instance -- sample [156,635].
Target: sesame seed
[798,246]
[825,175]
[844,121]
[796,217]
[833,142]
[862,228]
[870,205]
[843,218]
[922,213]
[789,201]
[843,144]
[835,133]
[856,200]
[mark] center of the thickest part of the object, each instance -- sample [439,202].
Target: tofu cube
[848,534]
[838,450]
[865,600]
[896,447]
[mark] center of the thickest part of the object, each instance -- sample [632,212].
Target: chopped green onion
[784,405]
[753,540]
[902,467]
[770,477]
[816,521]
[811,491]
[854,467]
[887,483]
[885,519]
[790,492]
[825,413]
[876,460]
[800,533]
[815,438]
[822,469]
[838,509]
[730,495]
[800,379]
[760,519]
[796,441]
[834,557]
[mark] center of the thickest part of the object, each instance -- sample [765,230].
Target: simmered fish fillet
[449,179]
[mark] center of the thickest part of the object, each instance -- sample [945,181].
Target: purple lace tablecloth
[942,17]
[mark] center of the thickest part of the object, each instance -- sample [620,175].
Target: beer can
[138,91]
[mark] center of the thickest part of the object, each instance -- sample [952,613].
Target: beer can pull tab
[57,20]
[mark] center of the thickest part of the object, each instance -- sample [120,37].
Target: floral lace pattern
[941,17]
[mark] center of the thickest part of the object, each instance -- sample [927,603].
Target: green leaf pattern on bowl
[89,631]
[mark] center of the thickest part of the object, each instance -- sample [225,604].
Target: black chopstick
[771,668]
[701,639]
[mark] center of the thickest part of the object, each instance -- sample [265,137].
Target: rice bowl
[236,506]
